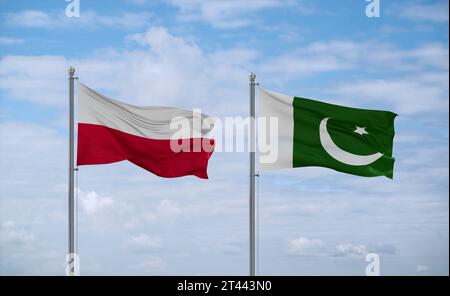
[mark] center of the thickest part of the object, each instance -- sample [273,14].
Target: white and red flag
[110,131]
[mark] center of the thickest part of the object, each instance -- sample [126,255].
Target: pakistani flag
[312,133]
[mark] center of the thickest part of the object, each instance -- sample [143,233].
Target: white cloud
[40,79]
[225,13]
[165,71]
[87,19]
[29,18]
[387,249]
[351,250]
[10,233]
[145,242]
[91,202]
[431,54]
[26,149]
[317,57]
[151,264]
[435,12]
[125,20]
[168,208]
[160,41]
[430,92]
[422,268]
[342,55]
[228,245]
[21,252]
[294,65]
[168,67]
[398,93]
[306,246]
[316,247]
[426,67]
[10,40]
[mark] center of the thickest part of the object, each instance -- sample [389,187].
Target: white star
[361,131]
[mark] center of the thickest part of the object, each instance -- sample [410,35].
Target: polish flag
[150,137]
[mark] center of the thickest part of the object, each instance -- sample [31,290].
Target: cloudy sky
[197,54]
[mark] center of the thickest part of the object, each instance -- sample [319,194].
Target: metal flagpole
[252,78]
[71,206]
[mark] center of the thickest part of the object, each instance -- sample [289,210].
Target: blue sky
[197,54]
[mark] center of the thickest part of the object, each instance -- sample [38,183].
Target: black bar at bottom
[265,285]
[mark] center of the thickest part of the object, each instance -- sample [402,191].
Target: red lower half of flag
[99,144]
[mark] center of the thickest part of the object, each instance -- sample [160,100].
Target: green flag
[313,133]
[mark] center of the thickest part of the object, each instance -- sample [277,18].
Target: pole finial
[252,77]
[71,71]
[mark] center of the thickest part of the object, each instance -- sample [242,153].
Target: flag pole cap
[71,71]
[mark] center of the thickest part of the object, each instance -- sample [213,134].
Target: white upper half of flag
[148,122]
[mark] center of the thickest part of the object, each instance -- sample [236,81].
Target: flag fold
[313,133]
[110,131]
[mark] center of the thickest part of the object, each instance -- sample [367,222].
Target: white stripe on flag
[148,122]
[272,104]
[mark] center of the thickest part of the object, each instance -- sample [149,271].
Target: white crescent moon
[341,155]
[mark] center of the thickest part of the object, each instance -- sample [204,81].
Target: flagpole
[252,78]
[71,202]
